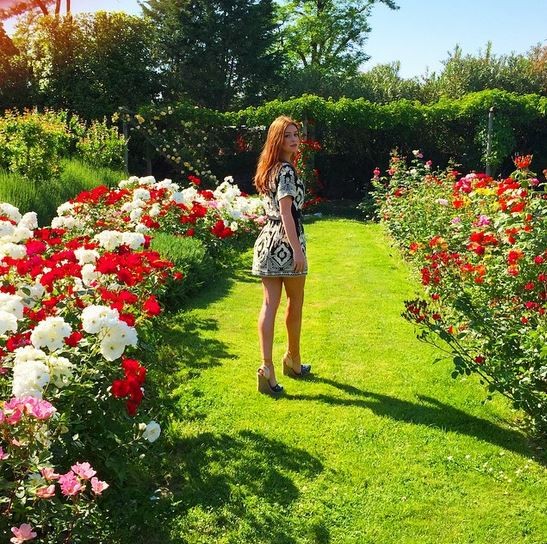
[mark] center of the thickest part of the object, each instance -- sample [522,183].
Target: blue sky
[421,32]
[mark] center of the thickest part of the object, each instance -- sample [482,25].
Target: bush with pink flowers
[77,304]
[480,246]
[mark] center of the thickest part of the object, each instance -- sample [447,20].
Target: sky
[421,32]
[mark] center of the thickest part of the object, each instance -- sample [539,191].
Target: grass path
[382,446]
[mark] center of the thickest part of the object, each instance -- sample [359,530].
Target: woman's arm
[287,219]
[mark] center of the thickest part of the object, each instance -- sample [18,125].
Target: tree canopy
[219,53]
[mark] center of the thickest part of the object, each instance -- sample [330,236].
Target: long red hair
[268,162]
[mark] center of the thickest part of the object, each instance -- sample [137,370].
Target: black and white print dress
[273,255]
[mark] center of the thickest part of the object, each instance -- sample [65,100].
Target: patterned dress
[273,255]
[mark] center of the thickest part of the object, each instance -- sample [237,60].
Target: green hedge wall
[357,135]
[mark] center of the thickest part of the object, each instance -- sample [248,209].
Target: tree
[384,84]
[327,35]
[218,53]
[88,64]
[463,74]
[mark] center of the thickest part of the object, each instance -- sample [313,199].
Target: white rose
[8,322]
[89,274]
[15,251]
[51,333]
[12,304]
[111,350]
[94,318]
[152,431]
[6,229]
[133,239]
[141,194]
[20,234]
[140,227]
[135,214]
[29,220]
[29,379]
[10,211]
[65,208]
[86,256]
[60,370]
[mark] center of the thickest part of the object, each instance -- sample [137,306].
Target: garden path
[380,446]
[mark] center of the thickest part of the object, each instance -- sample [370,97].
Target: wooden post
[148,158]
[489,141]
[126,148]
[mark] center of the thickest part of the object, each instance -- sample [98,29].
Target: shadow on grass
[238,484]
[431,413]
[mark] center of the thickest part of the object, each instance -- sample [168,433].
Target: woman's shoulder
[287,167]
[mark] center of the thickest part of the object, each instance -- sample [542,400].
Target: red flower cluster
[220,231]
[522,162]
[131,385]
[478,241]
[131,268]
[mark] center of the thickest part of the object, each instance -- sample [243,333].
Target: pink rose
[22,534]
[49,474]
[98,486]
[70,485]
[46,492]
[43,410]
[3,455]
[83,470]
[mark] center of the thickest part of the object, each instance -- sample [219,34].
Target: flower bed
[480,246]
[77,304]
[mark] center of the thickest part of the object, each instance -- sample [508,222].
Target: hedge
[356,135]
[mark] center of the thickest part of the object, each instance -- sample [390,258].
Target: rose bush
[480,246]
[77,304]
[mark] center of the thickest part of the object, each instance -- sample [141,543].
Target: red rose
[73,339]
[151,306]
[120,388]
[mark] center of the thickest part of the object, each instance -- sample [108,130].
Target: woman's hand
[299,260]
[298,256]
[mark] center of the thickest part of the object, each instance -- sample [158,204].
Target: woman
[280,250]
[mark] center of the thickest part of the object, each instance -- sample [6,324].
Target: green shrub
[32,144]
[189,256]
[102,146]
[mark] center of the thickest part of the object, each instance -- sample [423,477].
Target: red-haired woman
[280,250]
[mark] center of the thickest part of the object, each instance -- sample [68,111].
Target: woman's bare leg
[272,288]
[294,288]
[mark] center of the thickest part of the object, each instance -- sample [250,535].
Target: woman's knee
[294,306]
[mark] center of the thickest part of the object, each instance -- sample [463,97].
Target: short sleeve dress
[273,255]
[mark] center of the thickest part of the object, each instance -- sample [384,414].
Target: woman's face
[291,139]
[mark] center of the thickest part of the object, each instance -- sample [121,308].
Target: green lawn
[381,446]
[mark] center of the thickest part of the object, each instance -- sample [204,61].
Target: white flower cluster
[33,370]
[11,310]
[186,196]
[15,229]
[234,206]
[134,180]
[115,334]
[66,222]
[111,239]
[51,333]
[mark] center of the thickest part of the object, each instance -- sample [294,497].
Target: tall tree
[219,53]
[89,64]
[327,35]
